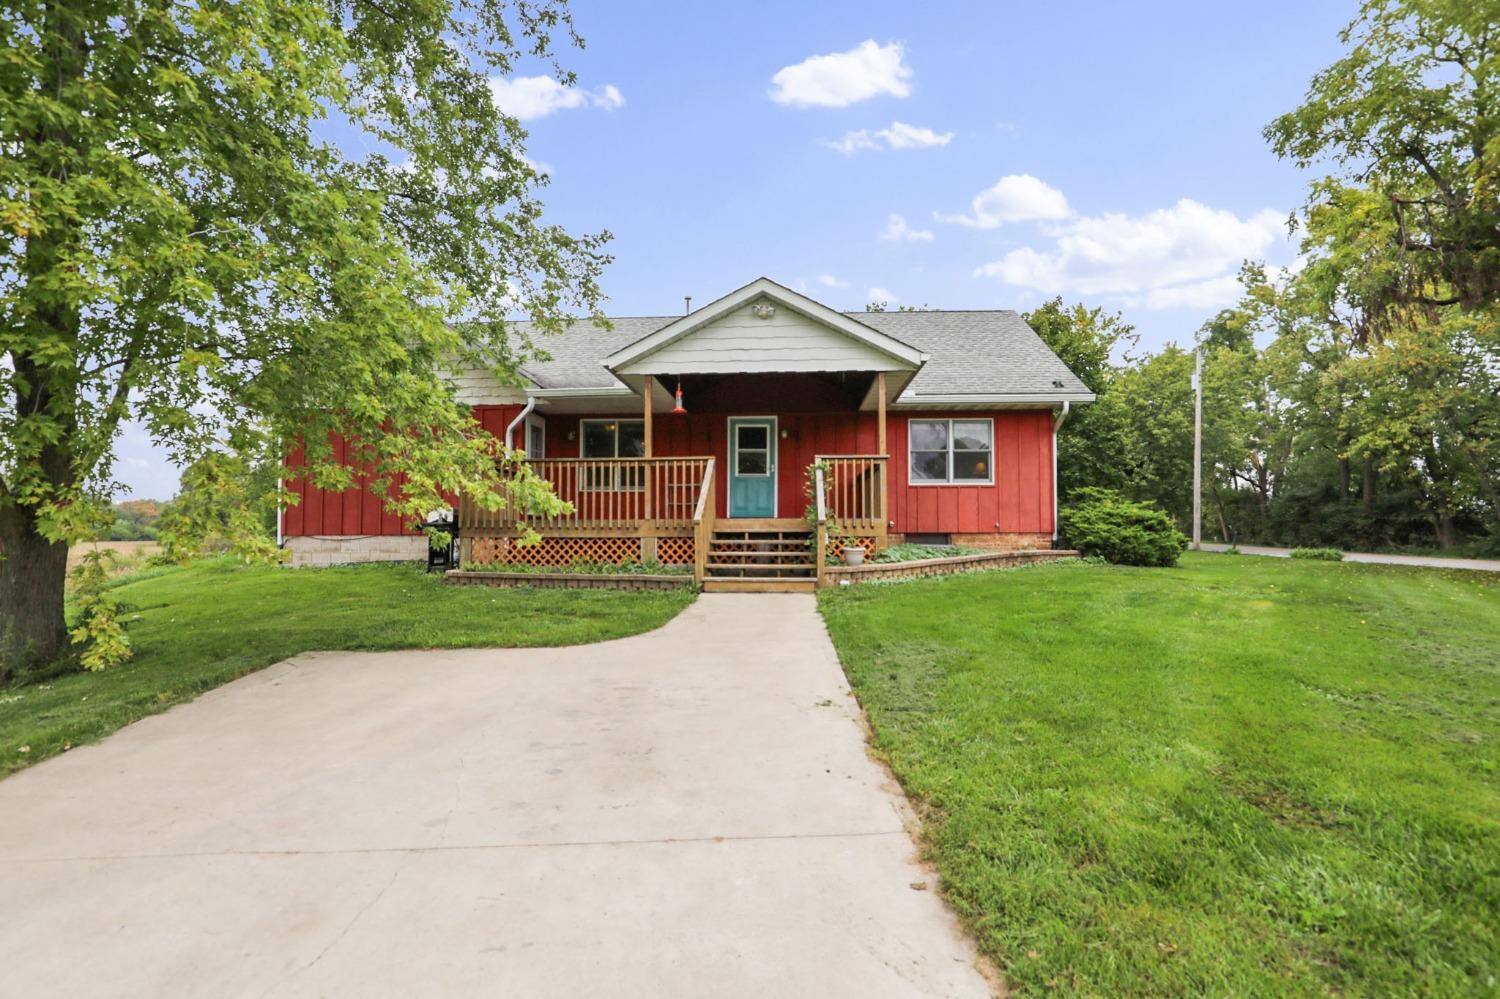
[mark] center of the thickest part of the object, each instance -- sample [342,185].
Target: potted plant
[854,555]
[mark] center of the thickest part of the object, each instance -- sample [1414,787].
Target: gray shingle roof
[990,352]
[976,353]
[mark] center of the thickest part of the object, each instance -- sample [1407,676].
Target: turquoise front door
[752,466]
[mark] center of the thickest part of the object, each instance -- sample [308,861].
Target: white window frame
[615,482]
[538,424]
[911,451]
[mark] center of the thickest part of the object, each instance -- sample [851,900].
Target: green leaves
[195,247]
[1410,114]
[188,248]
[98,632]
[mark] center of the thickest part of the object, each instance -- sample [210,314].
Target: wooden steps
[760,556]
[716,585]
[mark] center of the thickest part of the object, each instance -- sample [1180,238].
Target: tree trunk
[1442,520]
[1344,478]
[1367,486]
[1223,522]
[32,573]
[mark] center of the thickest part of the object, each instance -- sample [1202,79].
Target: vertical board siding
[1020,501]
[357,510]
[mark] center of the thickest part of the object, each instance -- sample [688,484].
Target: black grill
[445,557]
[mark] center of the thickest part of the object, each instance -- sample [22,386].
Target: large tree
[184,244]
[1412,113]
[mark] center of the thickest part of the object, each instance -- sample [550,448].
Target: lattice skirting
[674,551]
[566,551]
[836,547]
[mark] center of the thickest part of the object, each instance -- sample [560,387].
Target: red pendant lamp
[679,410]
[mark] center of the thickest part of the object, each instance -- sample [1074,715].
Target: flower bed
[843,575]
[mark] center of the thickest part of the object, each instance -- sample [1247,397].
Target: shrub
[1104,523]
[1321,554]
[97,630]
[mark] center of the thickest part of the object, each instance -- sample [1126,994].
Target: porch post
[646,527]
[646,395]
[884,528]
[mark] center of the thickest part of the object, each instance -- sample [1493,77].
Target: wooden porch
[665,510]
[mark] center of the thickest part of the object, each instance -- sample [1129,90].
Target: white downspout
[1057,422]
[520,418]
[280,538]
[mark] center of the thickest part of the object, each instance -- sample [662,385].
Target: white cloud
[903,136]
[1019,197]
[839,79]
[529,97]
[852,142]
[1207,294]
[1183,256]
[879,294]
[829,281]
[897,231]
[899,136]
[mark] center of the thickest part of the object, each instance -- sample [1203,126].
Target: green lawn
[202,625]
[1242,776]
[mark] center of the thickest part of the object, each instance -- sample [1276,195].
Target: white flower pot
[854,555]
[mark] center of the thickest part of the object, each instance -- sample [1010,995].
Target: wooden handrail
[703,492]
[820,533]
[703,523]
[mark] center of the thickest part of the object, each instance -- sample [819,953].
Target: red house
[708,438]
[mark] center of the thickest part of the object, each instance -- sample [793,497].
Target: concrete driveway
[685,813]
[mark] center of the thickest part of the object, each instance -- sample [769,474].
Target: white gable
[761,335]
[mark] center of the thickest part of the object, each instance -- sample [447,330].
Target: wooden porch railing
[820,542]
[703,523]
[855,485]
[609,495]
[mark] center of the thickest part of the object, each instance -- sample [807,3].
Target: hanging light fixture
[679,410]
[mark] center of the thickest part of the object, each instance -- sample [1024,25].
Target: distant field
[127,551]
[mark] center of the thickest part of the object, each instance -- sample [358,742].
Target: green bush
[1102,522]
[1321,554]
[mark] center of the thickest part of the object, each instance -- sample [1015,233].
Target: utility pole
[1198,449]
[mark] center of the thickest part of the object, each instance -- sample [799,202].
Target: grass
[202,625]
[1235,777]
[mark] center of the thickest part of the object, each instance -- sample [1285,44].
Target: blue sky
[1114,151]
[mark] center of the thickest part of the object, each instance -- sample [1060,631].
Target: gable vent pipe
[687,304]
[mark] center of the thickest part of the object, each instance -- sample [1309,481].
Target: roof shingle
[992,352]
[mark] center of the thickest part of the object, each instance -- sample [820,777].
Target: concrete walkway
[685,813]
[1423,561]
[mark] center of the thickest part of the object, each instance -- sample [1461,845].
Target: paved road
[685,813]
[1425,561]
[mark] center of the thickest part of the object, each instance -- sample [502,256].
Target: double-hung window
[951,452]
[613,439]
